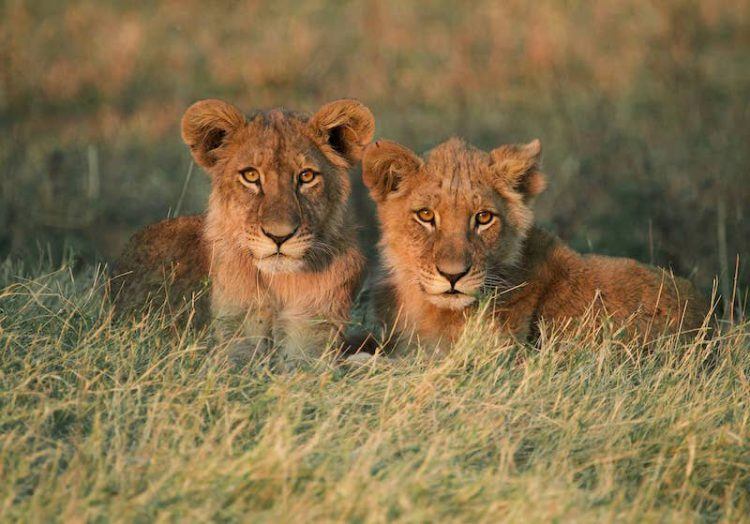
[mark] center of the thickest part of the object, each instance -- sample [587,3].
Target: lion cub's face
[452,222]
[279,180]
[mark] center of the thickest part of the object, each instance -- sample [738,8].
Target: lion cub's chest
[266,304]
[295,312]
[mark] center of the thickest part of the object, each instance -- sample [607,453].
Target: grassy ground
[107,422]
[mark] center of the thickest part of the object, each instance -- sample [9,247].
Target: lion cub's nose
[453,272]
[279,233]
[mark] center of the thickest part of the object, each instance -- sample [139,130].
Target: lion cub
[459,224]
[278,241]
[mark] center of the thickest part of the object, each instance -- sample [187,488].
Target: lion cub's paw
[361,359]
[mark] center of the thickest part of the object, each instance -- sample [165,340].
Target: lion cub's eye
[249,176]
[426,215]
[484,217]
[306,176]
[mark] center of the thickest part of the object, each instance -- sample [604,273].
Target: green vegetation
[130,422]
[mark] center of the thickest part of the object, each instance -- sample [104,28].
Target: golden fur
[165,265]
[531,274]
[280,250]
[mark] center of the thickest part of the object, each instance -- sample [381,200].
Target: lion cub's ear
[517,166]
[346,126]
[385,164]
[205,125]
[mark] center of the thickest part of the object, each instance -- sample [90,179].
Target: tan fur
[293,294]
[164,265]
[531,274]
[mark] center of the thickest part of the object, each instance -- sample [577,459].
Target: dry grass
[104,422]
[643,111]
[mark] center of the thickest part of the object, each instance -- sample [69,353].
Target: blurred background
[643,108]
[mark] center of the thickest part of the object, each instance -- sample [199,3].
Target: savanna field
[642,110]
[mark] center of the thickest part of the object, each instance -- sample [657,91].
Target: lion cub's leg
[301,335]
[246,329]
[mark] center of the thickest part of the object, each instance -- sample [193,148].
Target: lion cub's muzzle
[452,284]
[280,247]
[280,235]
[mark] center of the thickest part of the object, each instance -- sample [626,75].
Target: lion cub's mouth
[279,263]
[277,255]
[452,299]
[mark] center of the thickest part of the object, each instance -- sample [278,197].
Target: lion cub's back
[627,285]
[167,264]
